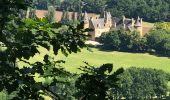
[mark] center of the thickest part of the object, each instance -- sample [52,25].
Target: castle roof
[127,22]
[98,23]
[59,14]
[85,15]
[119,23]
[138,23]
[116,20]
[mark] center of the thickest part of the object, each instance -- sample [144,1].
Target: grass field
[119,59]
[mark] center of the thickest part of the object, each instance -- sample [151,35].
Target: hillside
[119,59]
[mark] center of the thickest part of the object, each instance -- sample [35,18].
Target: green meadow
[118,59]
[96,58]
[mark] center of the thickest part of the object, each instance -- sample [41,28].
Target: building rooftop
[98,23]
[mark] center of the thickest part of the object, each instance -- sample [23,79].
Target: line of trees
[152,11]
[156,41]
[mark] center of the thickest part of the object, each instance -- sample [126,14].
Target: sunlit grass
[97,58]
[118,59]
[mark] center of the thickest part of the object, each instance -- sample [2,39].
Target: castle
[105,24]
[100,24]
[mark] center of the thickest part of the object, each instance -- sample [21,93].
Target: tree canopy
[152,11]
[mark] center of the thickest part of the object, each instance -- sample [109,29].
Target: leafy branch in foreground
[21,39]
[97,83]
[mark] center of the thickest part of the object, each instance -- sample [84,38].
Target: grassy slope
[119,59]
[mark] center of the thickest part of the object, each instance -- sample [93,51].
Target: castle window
[97,25]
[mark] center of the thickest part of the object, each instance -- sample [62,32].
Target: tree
[154,10]
[142,84]
[97,83]
[51,14]
[21,39]
[123,41]
[110,40]
[126,81]
[158,40]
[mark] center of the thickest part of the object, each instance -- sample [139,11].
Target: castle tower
[133,22]
[86,20]
[74,16]
[108,19]
[138,26]
[124,18]
[124,25]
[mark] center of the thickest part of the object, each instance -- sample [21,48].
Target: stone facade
[101,25]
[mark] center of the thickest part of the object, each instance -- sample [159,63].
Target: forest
[149,10]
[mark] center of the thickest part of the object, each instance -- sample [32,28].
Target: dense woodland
[21,37]
[149,10]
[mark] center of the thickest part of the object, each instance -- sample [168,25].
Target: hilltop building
[100,24]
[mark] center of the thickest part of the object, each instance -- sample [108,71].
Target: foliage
[110,40]
[51,14]
[21,39]
[123,41]
[41,4]
[156,41]
[159,39]
[97,83]
[162,25]
[152,11]
[142,84]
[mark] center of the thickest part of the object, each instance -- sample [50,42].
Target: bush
[159,40]
[97,83]
[123,41]
[142,84]
[110,40]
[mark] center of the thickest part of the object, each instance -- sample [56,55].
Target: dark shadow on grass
[158,54]
[101,48]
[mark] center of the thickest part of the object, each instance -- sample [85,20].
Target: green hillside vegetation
[152,11]
[119,59]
